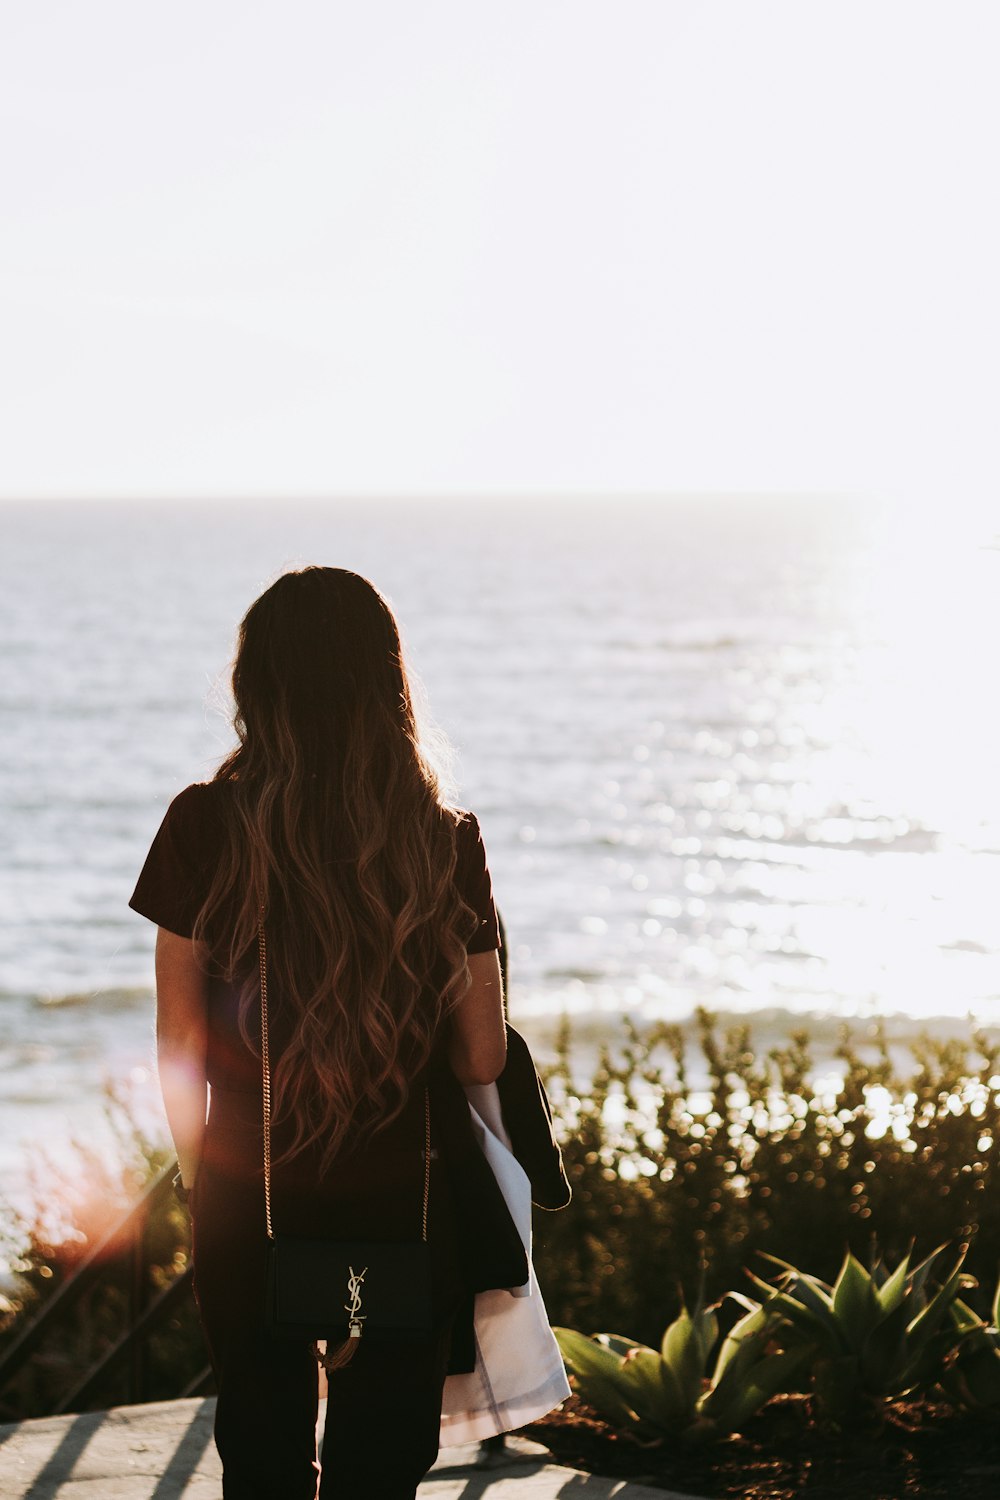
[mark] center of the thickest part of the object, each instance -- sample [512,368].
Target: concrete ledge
[164,1451]
[154,1452]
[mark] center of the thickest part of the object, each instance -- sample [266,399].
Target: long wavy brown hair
[339,829]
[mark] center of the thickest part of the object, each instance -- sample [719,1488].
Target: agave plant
[681,1391]
[971,1378]
[872,1334]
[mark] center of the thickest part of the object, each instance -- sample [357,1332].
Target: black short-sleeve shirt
[174,881]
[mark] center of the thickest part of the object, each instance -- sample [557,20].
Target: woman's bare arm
[478,1048]
[182,1045]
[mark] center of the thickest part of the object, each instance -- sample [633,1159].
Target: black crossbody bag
[341,1291]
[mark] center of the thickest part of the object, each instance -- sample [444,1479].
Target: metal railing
[145,1315]
[146,1309]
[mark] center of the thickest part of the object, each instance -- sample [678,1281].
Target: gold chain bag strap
[387,1284]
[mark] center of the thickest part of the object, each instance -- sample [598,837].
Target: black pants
[384,1408]
[382,1421]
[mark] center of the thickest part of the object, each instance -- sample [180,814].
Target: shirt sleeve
[173,881]
[476,887]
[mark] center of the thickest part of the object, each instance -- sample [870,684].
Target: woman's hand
[478,1047]
[182,1045]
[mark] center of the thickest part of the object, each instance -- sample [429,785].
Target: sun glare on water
[913,734]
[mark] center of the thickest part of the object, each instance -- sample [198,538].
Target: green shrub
[871,1335]
[972,1380]
[693,1388]
[663,1183]
[765,1163]
[45,1246]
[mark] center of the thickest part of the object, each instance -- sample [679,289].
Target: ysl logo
[355,1317]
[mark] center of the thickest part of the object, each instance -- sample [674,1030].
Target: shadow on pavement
[588,1487]
[480,1483]
[186,1457]
[61,1462]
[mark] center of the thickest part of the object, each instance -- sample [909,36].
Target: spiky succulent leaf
[617,1343]
[814,1296]
[731,1404]
[921,1272]
[964,1317]
[706,1336]
[757,1318]
[681,1352]
[806,1326]
[785,1301]
[823,1290]
[972,1380]
[732,1373]
[927,1359]
[644,1379]
[856,1306]
[893,1289]
[929,1319]
[764,1287]
[747,1303]
[585,1356]
[739,1356]
[883,1351]
[651,1391]
[607,1400]
[596,1371]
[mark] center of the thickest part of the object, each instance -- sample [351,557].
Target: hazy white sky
[543,244]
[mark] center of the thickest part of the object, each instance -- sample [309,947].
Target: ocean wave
[722,642]
[122,998]
[586,976]
[726,633]
[913,841]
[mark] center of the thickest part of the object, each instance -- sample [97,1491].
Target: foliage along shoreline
[678,1191]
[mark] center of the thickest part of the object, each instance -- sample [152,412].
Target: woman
[383,976]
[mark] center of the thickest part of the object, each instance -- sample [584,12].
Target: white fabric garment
[519,1373]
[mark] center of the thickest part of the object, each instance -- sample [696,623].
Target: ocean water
[737,752]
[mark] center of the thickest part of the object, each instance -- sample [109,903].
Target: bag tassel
[337,1358]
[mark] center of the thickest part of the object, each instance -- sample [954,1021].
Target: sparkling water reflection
[728,752]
